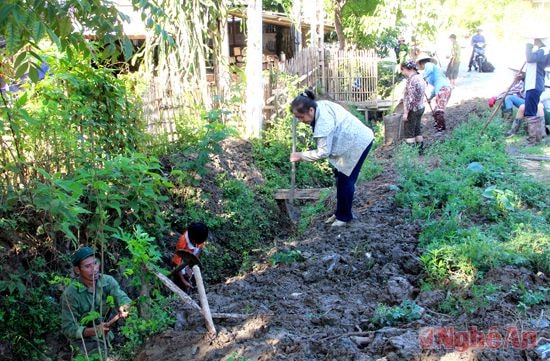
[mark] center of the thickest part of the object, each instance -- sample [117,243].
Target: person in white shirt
[341,138]
[537,58]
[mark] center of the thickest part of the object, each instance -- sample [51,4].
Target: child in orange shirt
[192,241]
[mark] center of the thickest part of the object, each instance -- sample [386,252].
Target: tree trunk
[296,27]
[338,23]
[313,34]
[254,76]
[321,32]
[221,55]
[145,307]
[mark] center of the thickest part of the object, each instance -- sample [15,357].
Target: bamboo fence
[352,76]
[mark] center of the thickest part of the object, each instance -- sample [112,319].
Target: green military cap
[80,254]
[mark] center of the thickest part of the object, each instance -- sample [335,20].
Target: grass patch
[478,210]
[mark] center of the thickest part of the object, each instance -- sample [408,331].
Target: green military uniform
[78,301]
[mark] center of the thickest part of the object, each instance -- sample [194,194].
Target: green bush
[28,307]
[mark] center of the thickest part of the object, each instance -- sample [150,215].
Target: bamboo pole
[501,101]
[204,301]
[205,309]
[174,288]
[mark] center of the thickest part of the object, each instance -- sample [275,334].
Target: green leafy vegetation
[235,357]
[479,212]
[529,298]
[471,301]
[28,300]
[79,167]
[286,257]
[407,311]
[474,220]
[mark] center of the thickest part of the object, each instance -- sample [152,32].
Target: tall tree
[313,18]
[296,27]
[221,52]
[338,7]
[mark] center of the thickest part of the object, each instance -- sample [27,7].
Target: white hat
[536,32]
[423,56]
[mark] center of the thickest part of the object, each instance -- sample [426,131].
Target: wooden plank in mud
[310,193]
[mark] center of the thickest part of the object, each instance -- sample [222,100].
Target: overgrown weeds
[478,210]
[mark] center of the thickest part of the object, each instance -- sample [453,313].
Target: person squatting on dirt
[454,61]
[441,88]
[91,293]
[537,58]
[193,241]
[413,102]
[341,138]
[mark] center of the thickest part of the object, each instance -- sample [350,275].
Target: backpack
[487,67]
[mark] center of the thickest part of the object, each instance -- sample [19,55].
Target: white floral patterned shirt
[340,137]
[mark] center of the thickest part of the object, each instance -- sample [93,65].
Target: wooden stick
[174,288]
[188,300]
[539,158]
[363,334]
[293,164]
[234,316]
[500,102]
[112,320]
[430,104]
[204,301]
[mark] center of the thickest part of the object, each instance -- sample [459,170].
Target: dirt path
[322,308]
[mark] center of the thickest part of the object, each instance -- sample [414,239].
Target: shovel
[292,210]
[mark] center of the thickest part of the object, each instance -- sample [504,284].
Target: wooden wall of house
[276,40]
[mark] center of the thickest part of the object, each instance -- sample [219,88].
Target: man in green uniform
[86,303]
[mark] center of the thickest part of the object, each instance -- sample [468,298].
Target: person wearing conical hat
[537,58]
[441,88]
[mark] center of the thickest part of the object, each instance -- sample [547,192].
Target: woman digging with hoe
[413,102]
[441,88]
[341,138]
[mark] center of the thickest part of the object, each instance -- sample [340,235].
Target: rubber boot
[439,117]
[507,115]
[542,127]
[534,134]
[515,126]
